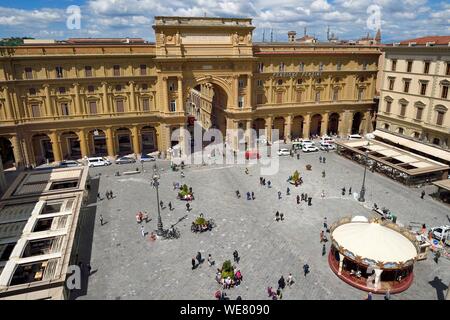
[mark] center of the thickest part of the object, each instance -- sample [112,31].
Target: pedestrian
[253,196]
[350,191]
[298,156]
[279,194]
[161,204]
[248,195]
[279,294]
[422,194]
[111,194]
[309,201]
[324,250]
[323,174]
[305,269]
[188,207]
[281,283]
[89,268]
[277,216]
[264,182]
[323,194]
[303,196]
[101,220]
[321,236]
[325,223]
[270,291]
[387,295]
[238,194]
[142,231]
[320,159]
[199,257]
[268,183]
[210,262]
[369,296]
[170,206]
[290,280]
[246,170]
[306,197]
[193,263]
[437,255]
[236,256]
[98,196]
[323,159]
[288,191]
[260,180]
[343,191]
[298,199]
[281,216]
[107,194]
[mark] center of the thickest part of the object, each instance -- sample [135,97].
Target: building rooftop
[423,41]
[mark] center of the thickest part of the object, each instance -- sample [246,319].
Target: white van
[354,137]
[98,162]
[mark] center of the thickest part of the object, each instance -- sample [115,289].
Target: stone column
[249,91]
[236,90]
[378,273]
[56,145]
[268,128]
[180,94]
[78,110]
[368,122]
[306,125]
[132,97]
[83,143]
[182,141]
[165,95]
[9,110]
[342,127]
[48,102]
[136,140]
[288,126]
[105,98]
[324,125]
[248,130]
[110,145]
[270,95]
[18,156]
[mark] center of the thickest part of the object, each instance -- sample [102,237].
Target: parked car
[284,152]
[98,162]
[310,148]
[306,142]
[252,154]
[296,145]
[147,157]
[326,146]
[442,233]
[123,160]
[69,164]
[354,137]
[327,139]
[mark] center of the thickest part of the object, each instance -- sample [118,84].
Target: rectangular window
[119,106]
[440,118]
[301,67]
[173,105]
[92,107]
[338,66]
[145,104]
[444,93]
[116,71]
[394,65]
[241,102]
[423,88]
[143,69]
[426,67]
[241,83]
[317,98]
[28,73]
[36,113]
[65,109]
[279,97]
[391,84]
[62,90]
[403,110]
[409,66]
[299,96]
[260,67]
[259,98]
[259,83]
[335,94]
[59,72]
[91,89]
[419,113]
[388,106]
[88,71]
[406,86]
[447,70]
[172,86]
[32,91]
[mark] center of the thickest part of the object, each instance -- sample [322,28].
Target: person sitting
[238,277]
[152,237]
[204,227]
[227,283]
[138,218]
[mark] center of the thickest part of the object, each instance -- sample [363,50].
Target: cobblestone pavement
[127,266]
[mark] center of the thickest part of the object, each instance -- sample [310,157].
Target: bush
[227,270]
[200,221]
[184,191]
[296,176]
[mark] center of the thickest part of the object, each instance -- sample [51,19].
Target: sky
[348,19]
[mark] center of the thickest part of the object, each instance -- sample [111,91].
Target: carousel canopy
[374,241]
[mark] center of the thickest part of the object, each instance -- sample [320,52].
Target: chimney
[291,36]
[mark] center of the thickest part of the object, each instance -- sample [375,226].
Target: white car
[354,137]
[327,139]
[98,162]
[326,146]
[306,142]
[442,233]
[310,148]
[69,164]
[284,152]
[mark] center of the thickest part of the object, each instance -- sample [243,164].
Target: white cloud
[320,5]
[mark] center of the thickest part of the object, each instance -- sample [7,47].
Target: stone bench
[131,172]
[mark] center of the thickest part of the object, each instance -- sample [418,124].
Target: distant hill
[12,41]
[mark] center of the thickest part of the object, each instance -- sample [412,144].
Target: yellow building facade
[70,100]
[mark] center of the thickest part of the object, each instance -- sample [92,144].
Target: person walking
[170,206]
[305,269]
[268,183]
[324,250]
[323,174]
[387,295]
[281,283]
[422,194]
[323,194]
[253,196]
[298,199]
[277,216]
[248,196]
[279,195]
[161,204]
[193,263]
[199,257]
[309,201]
[350,191]
[320,159]
[323,159]
[325,223]
[142,231]
[321,236]
[210,262]
[238,194]
[281,216]
[111,194]
[437,255]
[236,256]
[101,220]
[288,191]
[343,191]
[290,280]
[306,197]
[107,194]
[188,207]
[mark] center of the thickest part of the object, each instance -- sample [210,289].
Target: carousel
[376,256]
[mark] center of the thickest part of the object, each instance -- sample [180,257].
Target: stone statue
[236,38]
[163,38]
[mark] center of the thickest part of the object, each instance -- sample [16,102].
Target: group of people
[349,191]
[229,282]
[262,181]
[201,227]
[109,194]
[279,216]
[278,294]
[322,159]
[141,217]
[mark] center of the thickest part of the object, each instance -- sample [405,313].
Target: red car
[252,154]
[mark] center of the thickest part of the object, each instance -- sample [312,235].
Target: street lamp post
[363,188]
[156,178]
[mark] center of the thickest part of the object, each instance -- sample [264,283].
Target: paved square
[127,266]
